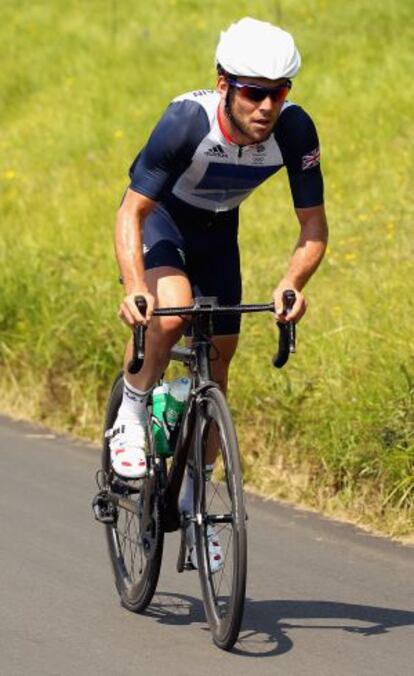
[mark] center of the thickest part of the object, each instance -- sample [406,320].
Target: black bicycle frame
[197,358]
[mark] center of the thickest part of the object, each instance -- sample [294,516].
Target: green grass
[82,85]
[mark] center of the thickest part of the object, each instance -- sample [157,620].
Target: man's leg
[223,350]
[170,287]
[226,347]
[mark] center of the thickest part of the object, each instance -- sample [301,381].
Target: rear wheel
[219,503]
[135,539]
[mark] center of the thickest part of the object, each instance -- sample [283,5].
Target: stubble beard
[239,124]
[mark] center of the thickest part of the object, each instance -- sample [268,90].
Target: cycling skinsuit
[198,176]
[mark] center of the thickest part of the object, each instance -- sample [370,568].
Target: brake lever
[138,355]
[287,332]
[289,299]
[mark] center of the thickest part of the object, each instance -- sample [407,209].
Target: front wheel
[135,550]
[220,513]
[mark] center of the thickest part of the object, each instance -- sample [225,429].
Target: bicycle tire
[224,590]
[135,591]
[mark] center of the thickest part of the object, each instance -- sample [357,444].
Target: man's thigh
[181,264]
[165,272]
[170,286]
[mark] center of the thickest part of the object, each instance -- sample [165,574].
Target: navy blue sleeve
[298,141]
[169,149]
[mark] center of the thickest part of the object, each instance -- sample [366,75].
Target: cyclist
[176,230]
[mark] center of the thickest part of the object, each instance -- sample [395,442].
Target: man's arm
[298,139]
[166,155]
[308,253]
[128,247]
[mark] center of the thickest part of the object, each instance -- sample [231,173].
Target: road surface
[323,598]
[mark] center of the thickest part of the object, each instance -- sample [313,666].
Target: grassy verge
[83,87]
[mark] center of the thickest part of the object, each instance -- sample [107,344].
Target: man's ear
[222,86]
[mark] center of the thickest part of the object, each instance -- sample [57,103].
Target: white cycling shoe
[214,549]
[128,443]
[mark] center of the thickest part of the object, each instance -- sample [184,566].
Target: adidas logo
[216,151]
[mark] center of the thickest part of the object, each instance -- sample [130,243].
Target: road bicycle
[137,513]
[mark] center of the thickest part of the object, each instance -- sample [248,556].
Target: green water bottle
[161,433]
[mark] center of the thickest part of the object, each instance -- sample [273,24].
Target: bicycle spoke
[215,493]
[133,551]
[221,573]
[130,543]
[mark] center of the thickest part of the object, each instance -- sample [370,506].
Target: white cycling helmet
[255,48]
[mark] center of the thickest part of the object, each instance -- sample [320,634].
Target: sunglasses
[257,93]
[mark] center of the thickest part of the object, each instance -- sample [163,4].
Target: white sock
[134,402]
[186,499]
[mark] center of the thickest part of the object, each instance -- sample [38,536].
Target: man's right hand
[129,313]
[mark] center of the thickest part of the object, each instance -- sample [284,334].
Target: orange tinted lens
[260,93]
[280,94]
[252,93]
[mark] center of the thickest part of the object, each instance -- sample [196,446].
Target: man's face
[253,120]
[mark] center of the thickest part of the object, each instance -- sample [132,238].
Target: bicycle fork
[187,520]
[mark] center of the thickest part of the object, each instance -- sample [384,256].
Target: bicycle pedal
[104,511]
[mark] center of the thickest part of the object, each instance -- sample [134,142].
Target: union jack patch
[311,159]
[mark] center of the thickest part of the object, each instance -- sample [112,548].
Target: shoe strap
[113,431]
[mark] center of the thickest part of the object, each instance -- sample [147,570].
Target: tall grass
[82,85]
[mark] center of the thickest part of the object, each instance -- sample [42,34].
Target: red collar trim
[222,129]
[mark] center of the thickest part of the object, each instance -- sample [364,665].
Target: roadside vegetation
[82,85]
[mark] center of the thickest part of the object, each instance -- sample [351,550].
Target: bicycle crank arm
[125,503]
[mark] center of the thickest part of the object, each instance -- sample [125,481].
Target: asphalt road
[323,598]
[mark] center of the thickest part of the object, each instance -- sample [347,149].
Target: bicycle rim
[219,503]
[135,553]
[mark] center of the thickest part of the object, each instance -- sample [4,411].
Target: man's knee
[164,332]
